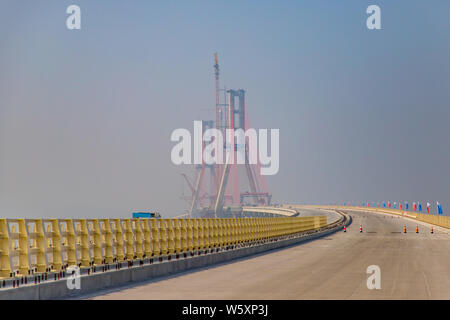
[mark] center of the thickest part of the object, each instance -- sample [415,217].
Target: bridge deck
[413,266]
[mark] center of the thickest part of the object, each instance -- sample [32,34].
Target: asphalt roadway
[412,266]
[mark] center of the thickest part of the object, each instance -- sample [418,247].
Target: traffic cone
[345,229]
[417,229]
[432,231]
[404,229]
[360,229]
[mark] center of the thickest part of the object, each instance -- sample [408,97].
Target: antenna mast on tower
[216,74]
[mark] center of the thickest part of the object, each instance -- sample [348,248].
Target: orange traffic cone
[417,229]
[360,229]
[432,231]
[404,229]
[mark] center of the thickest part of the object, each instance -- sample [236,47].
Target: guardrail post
[24,266]
[184,235]
[41,256]
[170,236]
[129,239]
[5,266]
[201,233]
[163,236]
[227,231]
[55,234]
[83,238]
[246,226]
[138,238]
[147,236]
[118,240]
[254,230]
[221,232]
[156,249]
[206,233]
[260,228]
[240,230]
[97,244]
[209,236]
[234,231]
[216,232]
[107,240]
[190,234]
[177,233]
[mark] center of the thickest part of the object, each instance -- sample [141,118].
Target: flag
[406,206]
[420,207]
[389,204]
[395,205]
[414,206]
[439,208]
[428,207]
[384,204]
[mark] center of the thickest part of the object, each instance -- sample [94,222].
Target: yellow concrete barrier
[41,245]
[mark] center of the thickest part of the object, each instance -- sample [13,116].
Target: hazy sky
[86,115]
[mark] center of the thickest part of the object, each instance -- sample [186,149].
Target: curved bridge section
[37,254]
[438,220]
[412,257]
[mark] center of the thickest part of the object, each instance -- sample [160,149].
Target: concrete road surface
[413,266]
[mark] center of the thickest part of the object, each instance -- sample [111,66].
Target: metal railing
[37,246]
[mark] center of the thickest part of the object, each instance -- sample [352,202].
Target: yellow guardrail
[30,246]
[438,220]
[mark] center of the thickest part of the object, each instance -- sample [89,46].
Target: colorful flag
[420,207]
[389,204]
[439,208]
[414,206]
[406,206]
[428,207]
